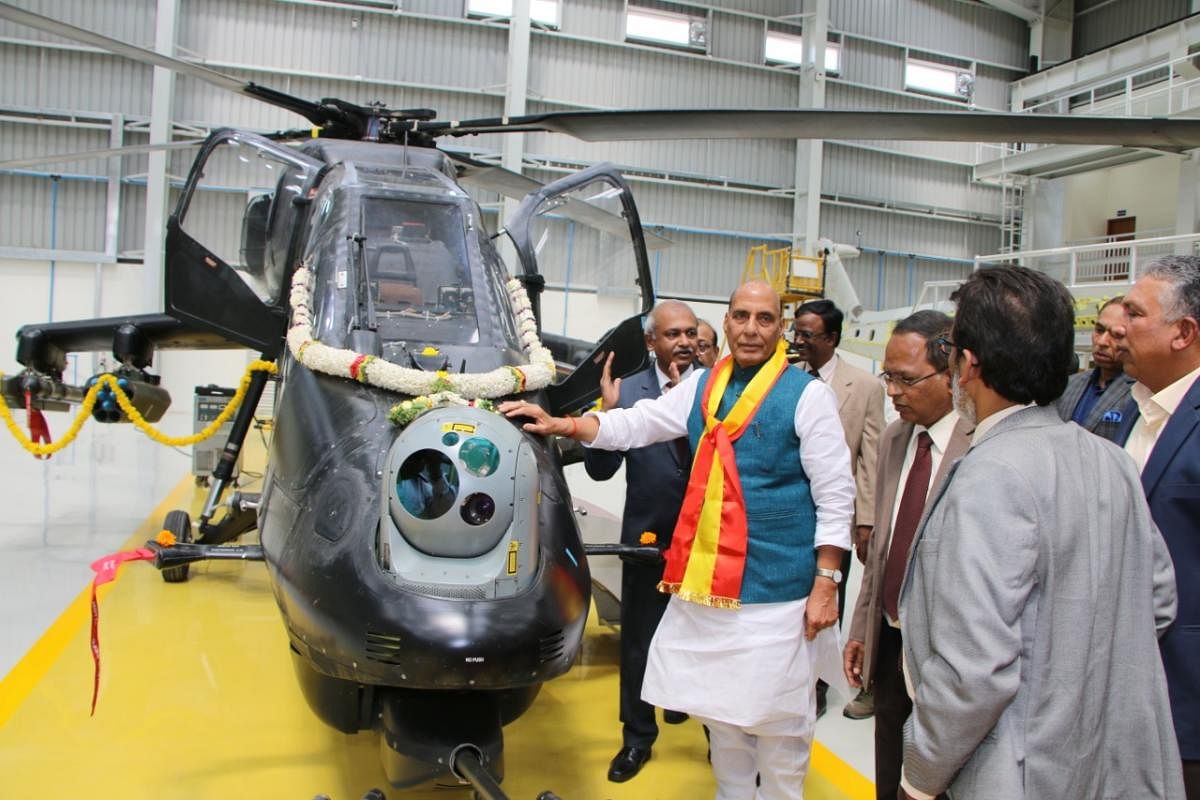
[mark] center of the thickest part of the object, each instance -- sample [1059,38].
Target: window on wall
[787,49]
[545,13]
[941,79]
[661,26]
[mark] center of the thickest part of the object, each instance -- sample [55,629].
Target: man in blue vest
[753,564]
[655,477]
[1159,343]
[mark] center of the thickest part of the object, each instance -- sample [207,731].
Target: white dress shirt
[985,425]
[823,453]
[825,371]
[1155,410]
[664,378]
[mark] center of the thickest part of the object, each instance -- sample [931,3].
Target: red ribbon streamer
[106,572]
[39,429]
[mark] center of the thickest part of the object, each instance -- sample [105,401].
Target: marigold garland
[343,363]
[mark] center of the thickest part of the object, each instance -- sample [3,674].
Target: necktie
[912,503]
[668,386]
[815,373]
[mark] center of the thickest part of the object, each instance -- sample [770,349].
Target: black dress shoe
[674,717]
[822,702]
[628,762]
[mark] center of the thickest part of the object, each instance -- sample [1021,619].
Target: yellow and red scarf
[708,548]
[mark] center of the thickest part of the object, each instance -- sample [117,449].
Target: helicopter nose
[462,490]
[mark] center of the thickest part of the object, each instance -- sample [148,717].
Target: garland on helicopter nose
[429,390]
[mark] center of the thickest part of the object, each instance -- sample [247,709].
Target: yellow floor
[198,700]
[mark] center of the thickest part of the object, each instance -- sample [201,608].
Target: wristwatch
[834,575]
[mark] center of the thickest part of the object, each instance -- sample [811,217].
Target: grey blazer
[1030,611]
[1106,416]
[868,612]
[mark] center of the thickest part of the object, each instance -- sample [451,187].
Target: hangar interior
[84,237]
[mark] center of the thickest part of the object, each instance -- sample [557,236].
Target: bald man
[752,573]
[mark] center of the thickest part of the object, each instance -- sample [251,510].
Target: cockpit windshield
[418,271]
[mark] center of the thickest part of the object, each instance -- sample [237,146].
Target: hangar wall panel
[868,174]
[944,26]
[904,234]
[635,76]
[1099,24]
[602,19]
[737,38]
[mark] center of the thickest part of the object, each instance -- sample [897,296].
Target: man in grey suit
[915,453]
[1037,583]
[1097,398]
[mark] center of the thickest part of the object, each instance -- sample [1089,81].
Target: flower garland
[430,389]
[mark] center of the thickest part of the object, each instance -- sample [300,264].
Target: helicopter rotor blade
[87,155]
[495,178]
[953,126]
[316,113]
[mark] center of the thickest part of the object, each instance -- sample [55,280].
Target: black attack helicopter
[431,579]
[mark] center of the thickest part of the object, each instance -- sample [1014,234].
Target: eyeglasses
[903,382]
[944,344]
[805,335]
[703,346]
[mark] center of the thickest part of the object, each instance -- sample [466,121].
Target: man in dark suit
[915,453]
[1159,343]
[655,480]
[1096,398]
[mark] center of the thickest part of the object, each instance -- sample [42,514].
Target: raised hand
[610,390]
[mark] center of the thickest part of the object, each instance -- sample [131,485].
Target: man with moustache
[655,477]
[1096,398]
[1037,581]
[1159,343]
[915,454]
[753,560]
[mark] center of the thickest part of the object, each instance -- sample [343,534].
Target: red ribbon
[106,572]
[39,430]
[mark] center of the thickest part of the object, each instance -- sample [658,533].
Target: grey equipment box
[210,402]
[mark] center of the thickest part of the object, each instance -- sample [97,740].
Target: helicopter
[428,567]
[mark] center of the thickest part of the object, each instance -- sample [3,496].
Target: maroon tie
[912,503]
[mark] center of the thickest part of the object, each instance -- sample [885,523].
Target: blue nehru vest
[780,514]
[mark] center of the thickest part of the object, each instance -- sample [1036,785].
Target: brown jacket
[868,612]
[860,407]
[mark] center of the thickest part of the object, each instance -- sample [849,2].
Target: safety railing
[1101,264]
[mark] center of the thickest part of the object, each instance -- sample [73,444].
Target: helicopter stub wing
[953,126]
[42,347]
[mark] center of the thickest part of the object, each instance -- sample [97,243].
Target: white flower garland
[537,374]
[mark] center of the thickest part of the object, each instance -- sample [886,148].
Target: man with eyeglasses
[707,344]
[1037,583]
[816,334]
[915,453]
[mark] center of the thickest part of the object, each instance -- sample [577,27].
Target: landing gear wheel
[180,524]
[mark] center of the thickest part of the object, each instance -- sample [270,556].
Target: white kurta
[750,667]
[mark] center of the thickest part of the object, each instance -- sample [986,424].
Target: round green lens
[479,456]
